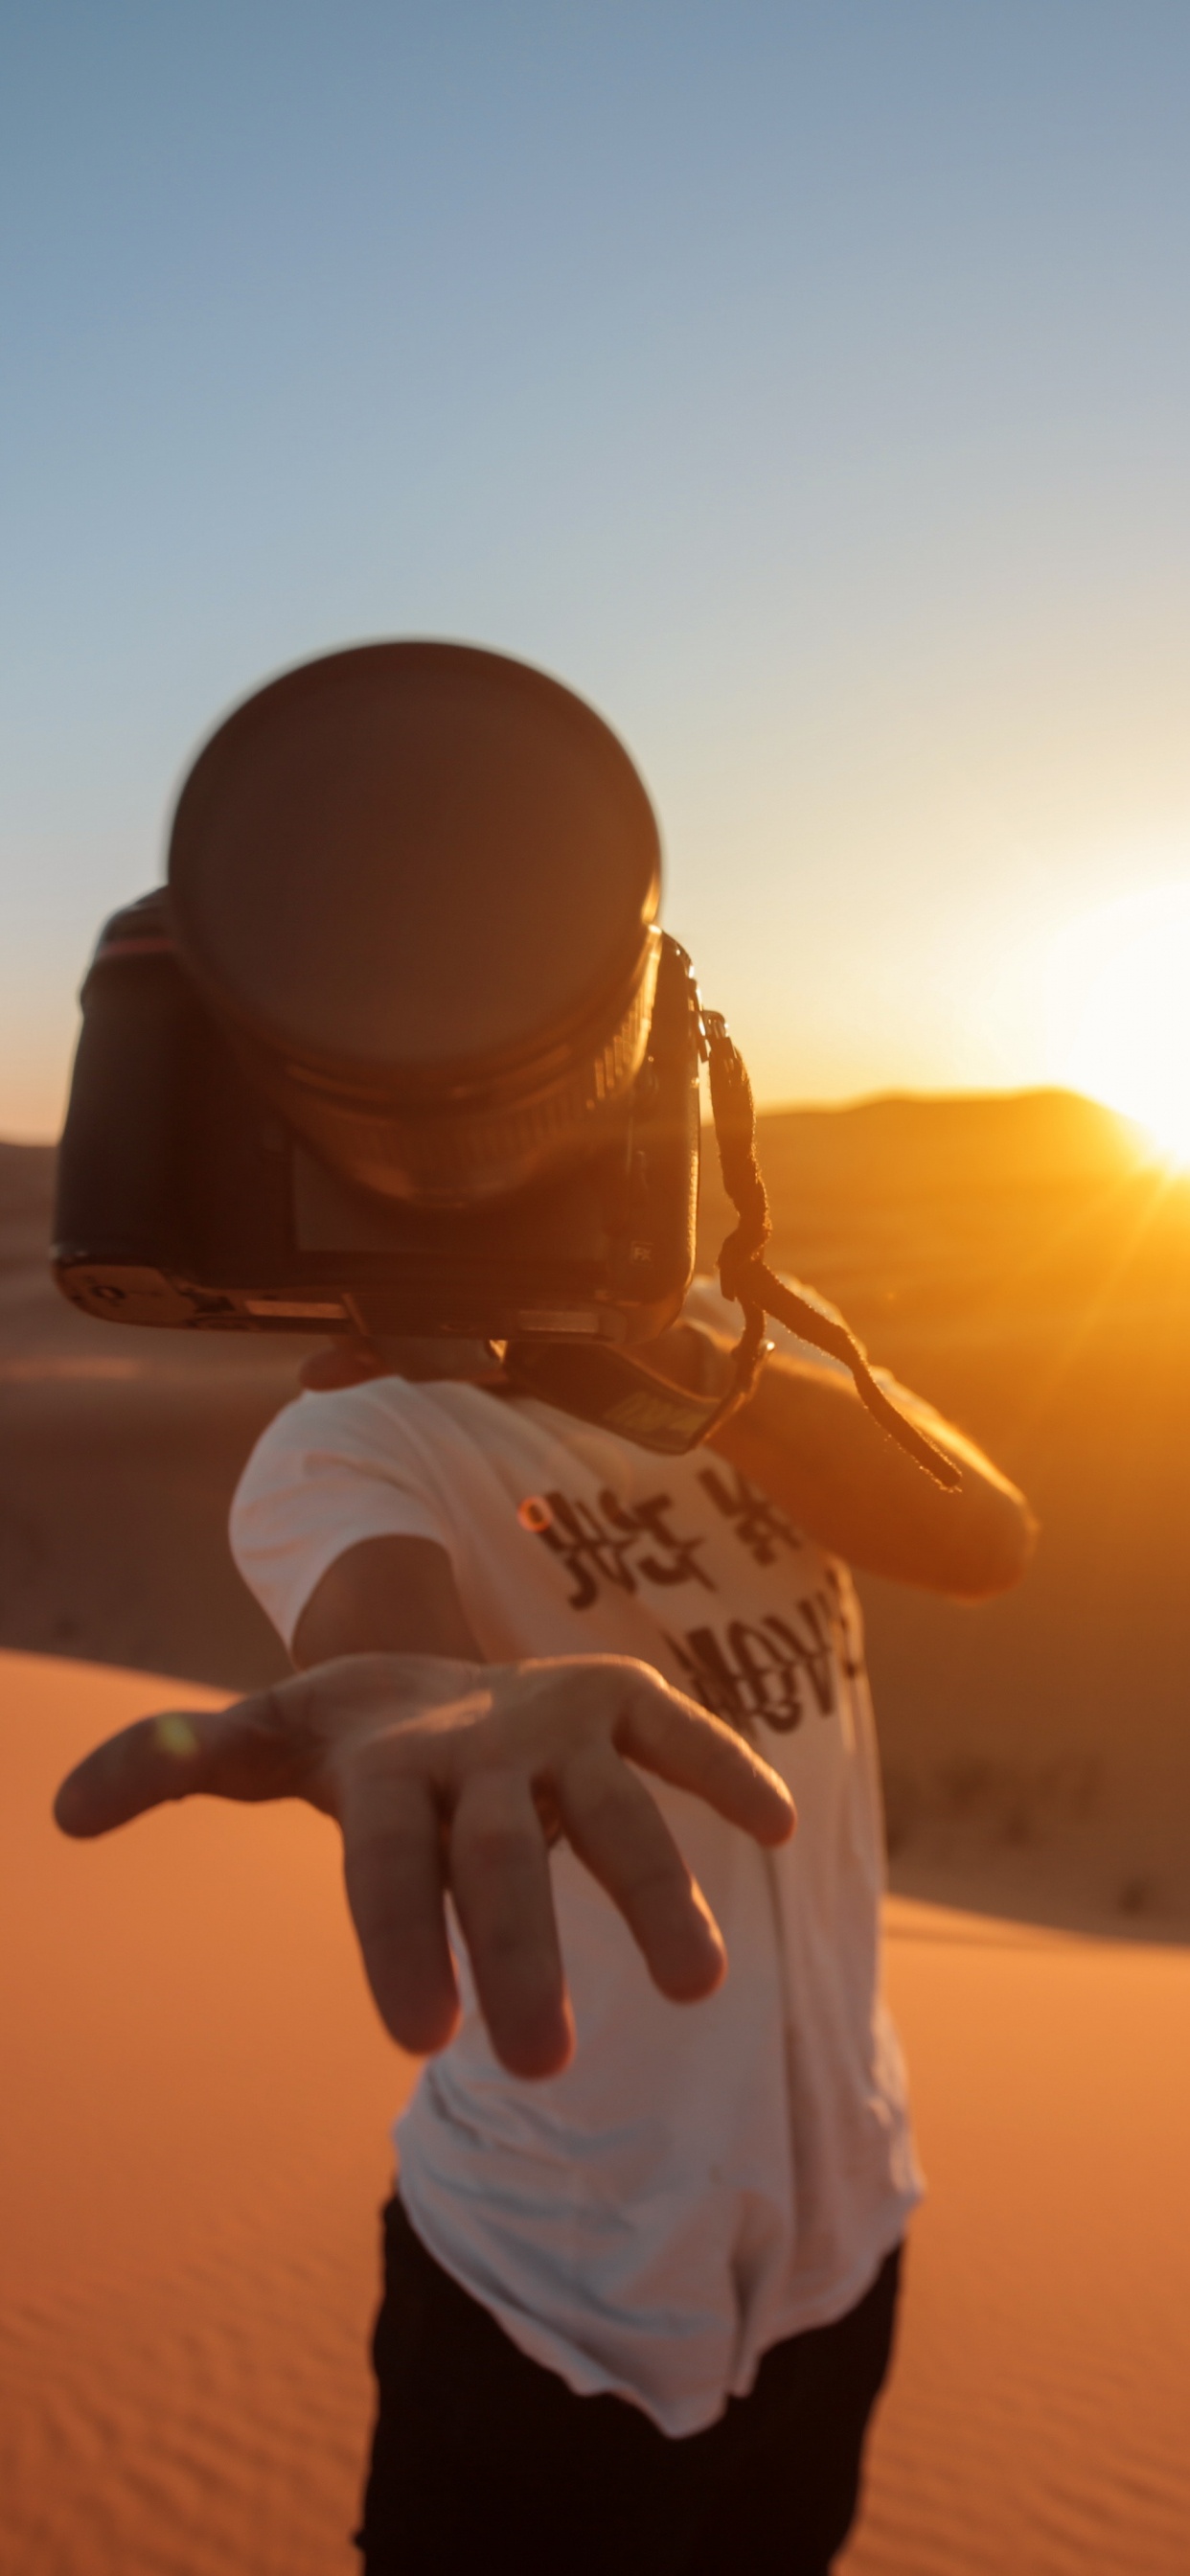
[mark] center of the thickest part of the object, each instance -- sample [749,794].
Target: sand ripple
[193,2153]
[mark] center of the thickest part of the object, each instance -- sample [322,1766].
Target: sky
[808,386]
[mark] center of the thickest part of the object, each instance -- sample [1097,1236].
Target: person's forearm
[807,1440]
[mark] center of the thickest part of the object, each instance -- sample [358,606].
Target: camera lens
[418,882]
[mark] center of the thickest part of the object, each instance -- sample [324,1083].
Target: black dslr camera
[399,1050]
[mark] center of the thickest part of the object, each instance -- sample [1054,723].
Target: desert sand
[197,2092]
[194,2150]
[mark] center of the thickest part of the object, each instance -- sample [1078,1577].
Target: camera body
[399,1051]
[186,1199]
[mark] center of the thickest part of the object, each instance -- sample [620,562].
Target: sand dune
[193,2151]
[197,2094]
[194,2148]
[1014,1257]
[1037,2417]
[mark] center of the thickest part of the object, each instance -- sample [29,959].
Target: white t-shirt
[703,2179]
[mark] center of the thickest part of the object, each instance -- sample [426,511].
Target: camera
[399,1049]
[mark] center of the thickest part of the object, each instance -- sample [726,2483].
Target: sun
[1119,1011]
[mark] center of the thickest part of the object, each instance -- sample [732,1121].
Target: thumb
[249,1751]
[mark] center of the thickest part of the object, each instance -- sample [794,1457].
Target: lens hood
[418,883]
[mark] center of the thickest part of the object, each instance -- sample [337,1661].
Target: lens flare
[1118,1009]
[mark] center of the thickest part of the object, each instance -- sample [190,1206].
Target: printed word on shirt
[759,1524]
[774,1667]
[605,1542]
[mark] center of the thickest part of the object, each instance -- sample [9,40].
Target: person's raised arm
[811,1445]
[446,1774]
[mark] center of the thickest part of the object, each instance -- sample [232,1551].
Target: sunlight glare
[1118,1009]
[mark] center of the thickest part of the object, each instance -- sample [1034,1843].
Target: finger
[251,1751]
[614,1826]
[500,1881]
[692,1750]
[392,1861]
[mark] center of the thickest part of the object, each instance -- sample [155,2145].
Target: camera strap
[745,1276]
[607,1386]
[602,1384]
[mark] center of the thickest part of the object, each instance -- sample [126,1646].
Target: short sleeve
[330,1471]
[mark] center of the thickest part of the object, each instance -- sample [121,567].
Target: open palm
[454,1777]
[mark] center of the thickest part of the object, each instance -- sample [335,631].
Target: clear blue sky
[808,385]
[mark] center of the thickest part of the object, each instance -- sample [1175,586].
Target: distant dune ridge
[1014,1257]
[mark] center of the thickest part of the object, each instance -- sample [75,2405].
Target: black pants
[482,2458]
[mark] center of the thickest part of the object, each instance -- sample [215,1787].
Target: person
[562,1695]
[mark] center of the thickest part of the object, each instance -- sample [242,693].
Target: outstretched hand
[456,1777]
